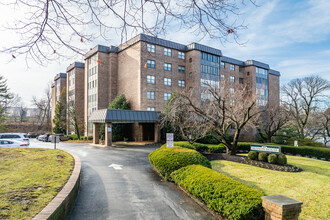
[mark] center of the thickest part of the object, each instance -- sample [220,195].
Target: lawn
[311,186]
[30,179]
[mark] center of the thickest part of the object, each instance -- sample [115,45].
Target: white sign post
[295,143]
[169,140]
[55,139]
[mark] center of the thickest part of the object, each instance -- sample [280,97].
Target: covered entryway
[145,120]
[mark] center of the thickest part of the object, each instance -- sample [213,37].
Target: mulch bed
[246,160]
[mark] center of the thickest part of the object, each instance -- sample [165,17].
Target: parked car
[15,136]
[40,137]
[44,137]
[32,135]
[63,137]
[12,143]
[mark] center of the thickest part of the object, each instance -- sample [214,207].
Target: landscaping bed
[311,186]
[30,179]
[246,160]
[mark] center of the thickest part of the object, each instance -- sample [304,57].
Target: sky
[293,37]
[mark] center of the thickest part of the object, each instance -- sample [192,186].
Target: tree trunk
[269,139]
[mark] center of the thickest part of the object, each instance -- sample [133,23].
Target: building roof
[75,65]
[59,75]
[177,46]
[256,63]
[232,61]
[274,72]
[101,48]
[123,116]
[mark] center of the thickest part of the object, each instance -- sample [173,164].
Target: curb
[60,207]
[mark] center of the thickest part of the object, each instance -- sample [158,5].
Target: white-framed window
[167,52]
[181,55]
[167,82]
[150,79]
[181,69]
[151,63]
[151,109]
[232,67]
[168,66]
[151,48]
[151,95]
[167,96]
[222,65]
[232,78]
[222,77]
[232,90]
[182,83]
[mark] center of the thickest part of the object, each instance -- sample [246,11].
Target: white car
[16,136]
[12,143]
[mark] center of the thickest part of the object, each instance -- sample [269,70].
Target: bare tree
[269,122]
[326,127]
[75,119]
[190,125]
[44,109]
[226,111]
[302,97]
[51,26]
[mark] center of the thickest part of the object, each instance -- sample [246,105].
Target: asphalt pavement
[119,183]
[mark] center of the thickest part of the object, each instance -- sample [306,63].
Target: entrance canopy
[124,116]
[110,116]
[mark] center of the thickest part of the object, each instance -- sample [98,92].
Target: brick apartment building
[75,95]
[148,70]
[57,87]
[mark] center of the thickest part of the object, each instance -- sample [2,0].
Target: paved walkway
[131,190]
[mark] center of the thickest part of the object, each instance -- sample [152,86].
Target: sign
[295,143]
[169,140]
[55,139]
[266,148]
[109,129]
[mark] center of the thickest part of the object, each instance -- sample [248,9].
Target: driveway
[128,189]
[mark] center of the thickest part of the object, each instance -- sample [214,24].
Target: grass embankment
[30,179]
[311,186]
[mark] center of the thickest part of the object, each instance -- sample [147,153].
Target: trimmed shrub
[167,160]
[307,151]
[245,146]
[74,136]
[220,193]
[90,138]
[217,149]
[272,158]
[252,155]
[262,157]
[200,147]
[281,159]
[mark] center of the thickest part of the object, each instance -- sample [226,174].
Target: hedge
[317,152]
[167,160]
[220,193]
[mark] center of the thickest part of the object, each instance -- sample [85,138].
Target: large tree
[5,98]
[51,27]
[270,122]
[302,98]
[226,111]
[43,106]
[60,122]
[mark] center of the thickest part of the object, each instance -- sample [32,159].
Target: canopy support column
[96,133]
[108,134]
[157,133]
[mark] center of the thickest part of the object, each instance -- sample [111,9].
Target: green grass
[312,186]
[30,179]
